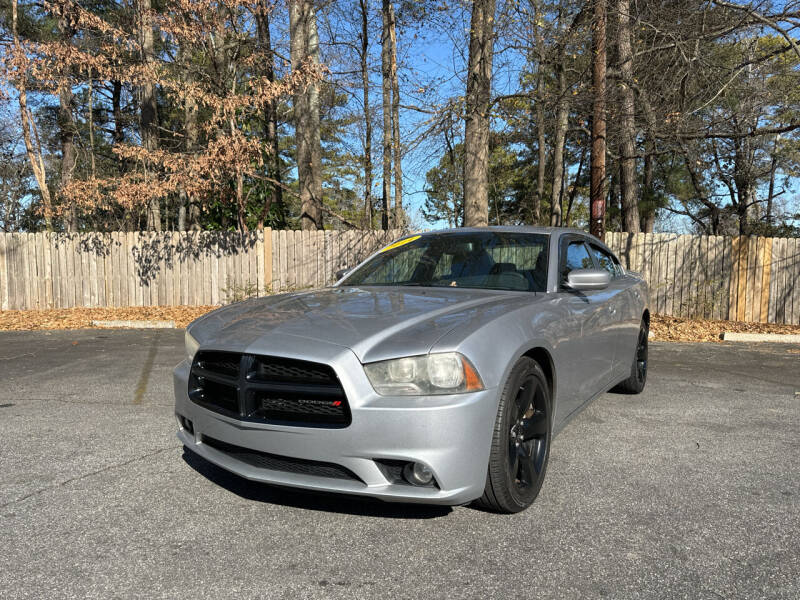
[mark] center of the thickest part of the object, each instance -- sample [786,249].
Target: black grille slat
[222,363]
[286,464]
[274,369]
[269,389]
[297,388]
[219,378]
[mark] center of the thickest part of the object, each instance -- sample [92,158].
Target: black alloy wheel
[635,383]
[521,440]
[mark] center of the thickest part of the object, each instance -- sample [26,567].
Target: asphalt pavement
[690,490]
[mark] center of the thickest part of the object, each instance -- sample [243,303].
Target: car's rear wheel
[521,440]
[638,377]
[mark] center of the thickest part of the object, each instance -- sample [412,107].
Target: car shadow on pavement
[309,500]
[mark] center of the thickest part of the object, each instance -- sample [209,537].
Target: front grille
[287,464]
[268,389]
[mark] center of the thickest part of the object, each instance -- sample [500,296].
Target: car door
[589,359]
[615,309]
[624,310]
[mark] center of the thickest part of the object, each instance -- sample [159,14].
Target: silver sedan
[436,371]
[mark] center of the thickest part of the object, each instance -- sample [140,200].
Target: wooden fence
[745,279]
[49,270]
[735,278]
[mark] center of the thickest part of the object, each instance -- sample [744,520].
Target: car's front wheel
[521,440]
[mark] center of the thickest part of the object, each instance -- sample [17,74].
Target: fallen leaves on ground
[81,318]
[675,329]
[671,329]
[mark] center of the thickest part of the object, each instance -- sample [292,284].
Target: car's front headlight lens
[440,373]
[191,345]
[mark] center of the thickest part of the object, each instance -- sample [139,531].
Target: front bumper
[450,434]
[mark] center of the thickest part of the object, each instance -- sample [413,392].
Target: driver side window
[575,256]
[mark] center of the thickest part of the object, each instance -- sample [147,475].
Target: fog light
[417,474]
[186,424]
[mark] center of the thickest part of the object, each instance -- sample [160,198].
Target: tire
[520,442]
[638,378]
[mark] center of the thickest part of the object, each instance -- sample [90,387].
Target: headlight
[442,373]
[191,345]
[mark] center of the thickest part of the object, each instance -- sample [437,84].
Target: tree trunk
[478,98]
[66,136]
[398,168]
[34,152]
[315,208]
[536,197]
[304,51]
[270,121]
[536,204]
[149,107]
[648,215]
[567,220]
[562,116]
[367,162]
[598,157]
[66,129]
[386,89]
[771,189]
[627,123]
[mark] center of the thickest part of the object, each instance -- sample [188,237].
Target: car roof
[510,229]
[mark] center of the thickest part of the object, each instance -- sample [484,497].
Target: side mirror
[581,280]
[341,273]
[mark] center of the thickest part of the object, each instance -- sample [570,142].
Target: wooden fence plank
[27,272]
[86,280]
[268,257]
[59,261]
[773,289]
[740,267]
[120,293]
[41,267]
[50,269]
[724,258]
[106,277]
[765,251]
[47,256]
[781,248]
[94,288]
[795,281]
[36,268]
[21,258]
[68,272]
[655,284]
[13,293]
[175,249]
[3,273]
[668,280]
[784,293]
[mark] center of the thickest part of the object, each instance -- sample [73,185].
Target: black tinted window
[500,261]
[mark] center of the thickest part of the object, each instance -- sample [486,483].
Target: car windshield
[484,260]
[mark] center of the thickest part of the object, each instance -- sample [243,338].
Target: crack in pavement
[17,356]
[86,475]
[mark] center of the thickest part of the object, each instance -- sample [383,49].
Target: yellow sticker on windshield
[401,243]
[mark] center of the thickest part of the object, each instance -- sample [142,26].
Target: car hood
[376,323]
